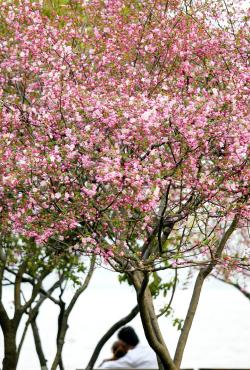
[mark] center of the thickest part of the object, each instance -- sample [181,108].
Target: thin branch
[165,310]
[2,267]
[17,287]
[83,287]
[235,285]
[38,343]
[35,290]
[34,311]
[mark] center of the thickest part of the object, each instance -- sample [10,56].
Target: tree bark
[10,349]
[38,344]
[9,329]
[150,322]
[189,318]
[64,315]
[62,329]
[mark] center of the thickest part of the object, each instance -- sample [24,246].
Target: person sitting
[137,356]
[119,349]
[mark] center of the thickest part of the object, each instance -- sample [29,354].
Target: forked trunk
[150,323]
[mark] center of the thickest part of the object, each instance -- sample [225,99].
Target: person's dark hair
[128,336]
[119,350]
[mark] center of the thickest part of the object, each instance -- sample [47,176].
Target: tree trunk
[64,315]
[61,366]
[150,322]
[203,273]
[62,329]
[10,350]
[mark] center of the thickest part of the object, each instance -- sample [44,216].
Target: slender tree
[19,266]
[25,269]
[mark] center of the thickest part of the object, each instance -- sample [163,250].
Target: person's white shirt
[139,357]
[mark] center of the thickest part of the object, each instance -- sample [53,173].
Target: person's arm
[122,363]
[108,364]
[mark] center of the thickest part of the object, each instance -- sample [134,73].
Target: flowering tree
[127,122]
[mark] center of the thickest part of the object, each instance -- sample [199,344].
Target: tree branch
[17,286]
[235,285]
[83,287]
[33,312]
[2,267]
[38,344]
